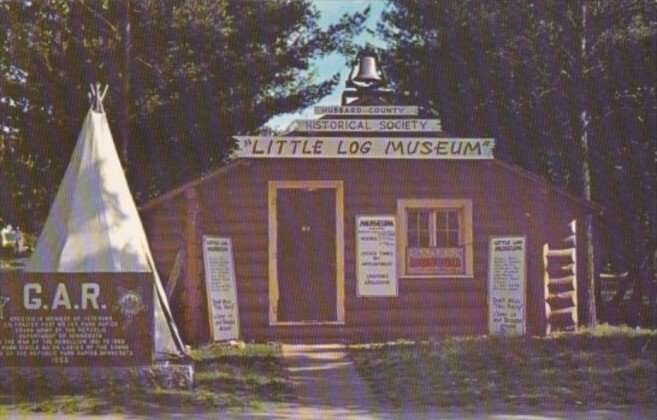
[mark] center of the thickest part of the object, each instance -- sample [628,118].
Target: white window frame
[464,208]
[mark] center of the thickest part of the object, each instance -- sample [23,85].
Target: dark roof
[537,179]
[169,195]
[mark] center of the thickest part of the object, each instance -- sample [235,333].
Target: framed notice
[376,255]
[507,276]
[220,288]
[76,319]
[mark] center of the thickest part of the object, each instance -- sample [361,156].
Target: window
[418,228]
[435,237]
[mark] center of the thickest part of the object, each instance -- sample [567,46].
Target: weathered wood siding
[234,205]
[172,227]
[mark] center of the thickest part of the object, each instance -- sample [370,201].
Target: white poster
[506,286]
[220,287]
[376,255]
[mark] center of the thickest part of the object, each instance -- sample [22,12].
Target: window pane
[441,220]
[452,239]
[453,222]
[425,240]
[441,240]
[417,220]
[418,228]
[412,228]
[447,228]
[413,239]
[422,219]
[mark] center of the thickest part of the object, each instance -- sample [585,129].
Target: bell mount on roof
[366,81]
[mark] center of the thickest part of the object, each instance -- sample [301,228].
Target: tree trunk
[586,174]
[653,291]
[124,112]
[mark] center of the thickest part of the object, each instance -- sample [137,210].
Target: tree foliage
[184,76]
[538,75]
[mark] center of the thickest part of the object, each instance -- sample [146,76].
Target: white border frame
[489,280]
[272,190]
[357,261]
[208,286]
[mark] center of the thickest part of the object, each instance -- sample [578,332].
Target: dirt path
[325,379]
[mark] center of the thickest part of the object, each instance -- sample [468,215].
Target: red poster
[435,261]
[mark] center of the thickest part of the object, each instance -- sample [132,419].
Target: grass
[601,367]
[7,264]
[228,379]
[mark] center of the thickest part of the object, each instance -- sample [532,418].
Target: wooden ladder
[560,284]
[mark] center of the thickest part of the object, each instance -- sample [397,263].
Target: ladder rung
[569,310]
[571,239]
[561,281]
[568,252]
[561,295]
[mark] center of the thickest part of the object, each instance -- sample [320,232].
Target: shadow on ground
[227,383]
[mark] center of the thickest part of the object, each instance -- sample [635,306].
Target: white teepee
[94,226]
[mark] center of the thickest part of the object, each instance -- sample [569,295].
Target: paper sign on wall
[376,255]
[506,286]
[221,289]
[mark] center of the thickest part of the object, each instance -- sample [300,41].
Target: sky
[331,11]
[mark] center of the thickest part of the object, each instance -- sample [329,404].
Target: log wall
[504,201]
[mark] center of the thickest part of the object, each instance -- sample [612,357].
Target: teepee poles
[96,97]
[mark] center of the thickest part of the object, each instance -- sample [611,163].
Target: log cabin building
[371,223]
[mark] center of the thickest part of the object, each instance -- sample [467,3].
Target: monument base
[55,378]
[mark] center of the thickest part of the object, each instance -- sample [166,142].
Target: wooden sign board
[76,319]
[221,288]
[363,148]
[427,261]
[376,256]
[374,125]
[366,110]
[507,277]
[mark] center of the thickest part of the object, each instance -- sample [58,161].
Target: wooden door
[306,260]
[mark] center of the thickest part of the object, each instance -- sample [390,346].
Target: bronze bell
[366,81]
[368,72]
